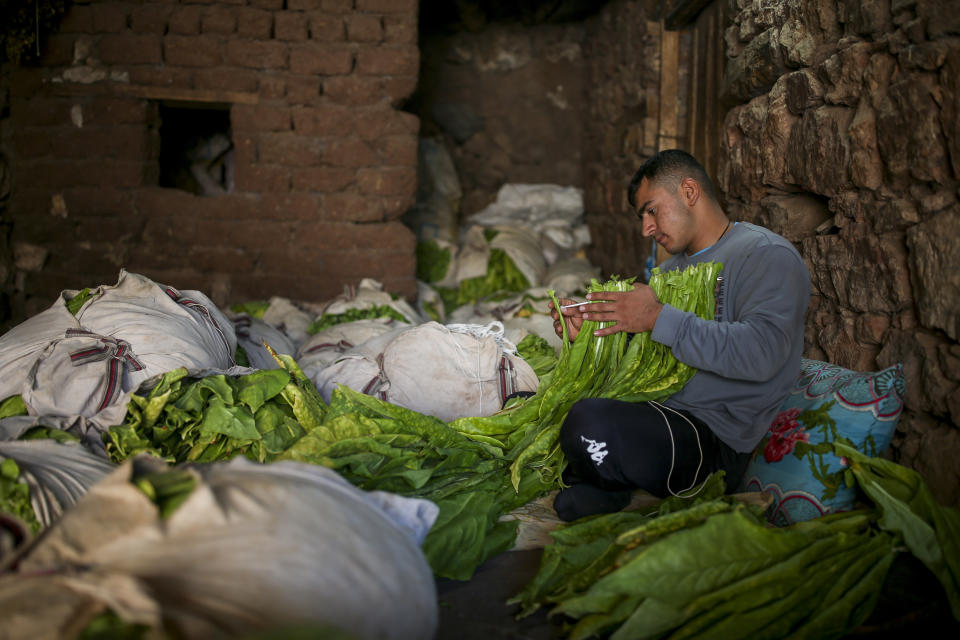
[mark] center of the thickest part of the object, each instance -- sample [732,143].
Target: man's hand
[633,311]
[571,316]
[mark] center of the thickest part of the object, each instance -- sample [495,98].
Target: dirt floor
[912,600]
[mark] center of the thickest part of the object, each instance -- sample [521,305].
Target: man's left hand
[633,311]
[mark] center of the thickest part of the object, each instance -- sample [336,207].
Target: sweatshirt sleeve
[769,297]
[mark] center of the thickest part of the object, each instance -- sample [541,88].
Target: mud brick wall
[846,140]
[325,163]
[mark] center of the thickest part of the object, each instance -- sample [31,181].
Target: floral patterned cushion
[795,460]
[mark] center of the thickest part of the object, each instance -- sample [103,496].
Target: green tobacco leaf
[196,395]
[231,421]
[12,406]
[258,387]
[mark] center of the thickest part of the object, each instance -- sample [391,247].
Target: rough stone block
[794,216]
[818,151]
[935,263]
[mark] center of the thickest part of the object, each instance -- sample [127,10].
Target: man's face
[665,216]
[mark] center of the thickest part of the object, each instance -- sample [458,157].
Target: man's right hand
[571,315]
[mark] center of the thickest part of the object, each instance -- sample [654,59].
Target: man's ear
[690,191]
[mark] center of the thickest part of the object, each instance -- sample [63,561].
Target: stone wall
[324,163]
[846,140]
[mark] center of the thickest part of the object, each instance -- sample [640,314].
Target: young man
[747,358]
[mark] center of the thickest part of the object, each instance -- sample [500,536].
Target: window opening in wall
[196,148]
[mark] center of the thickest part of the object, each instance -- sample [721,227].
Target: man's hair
[666,169]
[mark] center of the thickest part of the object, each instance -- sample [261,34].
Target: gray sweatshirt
[749,357]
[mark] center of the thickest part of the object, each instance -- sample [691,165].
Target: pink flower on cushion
[785,421]
[782,442]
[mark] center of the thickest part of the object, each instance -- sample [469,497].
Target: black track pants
[620,446]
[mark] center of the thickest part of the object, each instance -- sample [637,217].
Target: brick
[56,50]
[400,29]
[388,6]
[342,6]
[222,20]
[185,20]
[323,235]
[86,202]
[24,81]
[354,91]
[244,233]
[324,121]
[260,118]
[150,18]
[255,24]
[130,49]
[179,78]
[192,51]
[271,5]
[372,124]
[233,206]
[291,206]
[289,149]
[396,206]
[231,259]
[258,178]
[398,150]
[398,88]
[163,208]
[41,111]
[125,142]
[322,179]
[93,263]
[303,5]
[364,28]
[350,152]
[110,228]
[109,17]
[257,55]
[244,148]
[304,287]
[388,181]
[112,111]
[78,19]
[271,86]
[289,260]
[226,79]
[324,59]
[33,143]
[303,90]
[388,61]
[352,207]
[290,26]
[325,27]
[64,173]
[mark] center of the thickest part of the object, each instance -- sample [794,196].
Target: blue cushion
[795,461]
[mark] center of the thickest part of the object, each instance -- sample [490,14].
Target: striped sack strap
[190,303]
[115,351]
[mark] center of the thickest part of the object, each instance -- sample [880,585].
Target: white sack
[367,295]
[325,347]
[448,371]
[288,318]
[253,548]
[570,276]
[253,332]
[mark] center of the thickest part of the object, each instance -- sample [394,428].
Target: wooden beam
[157,93]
